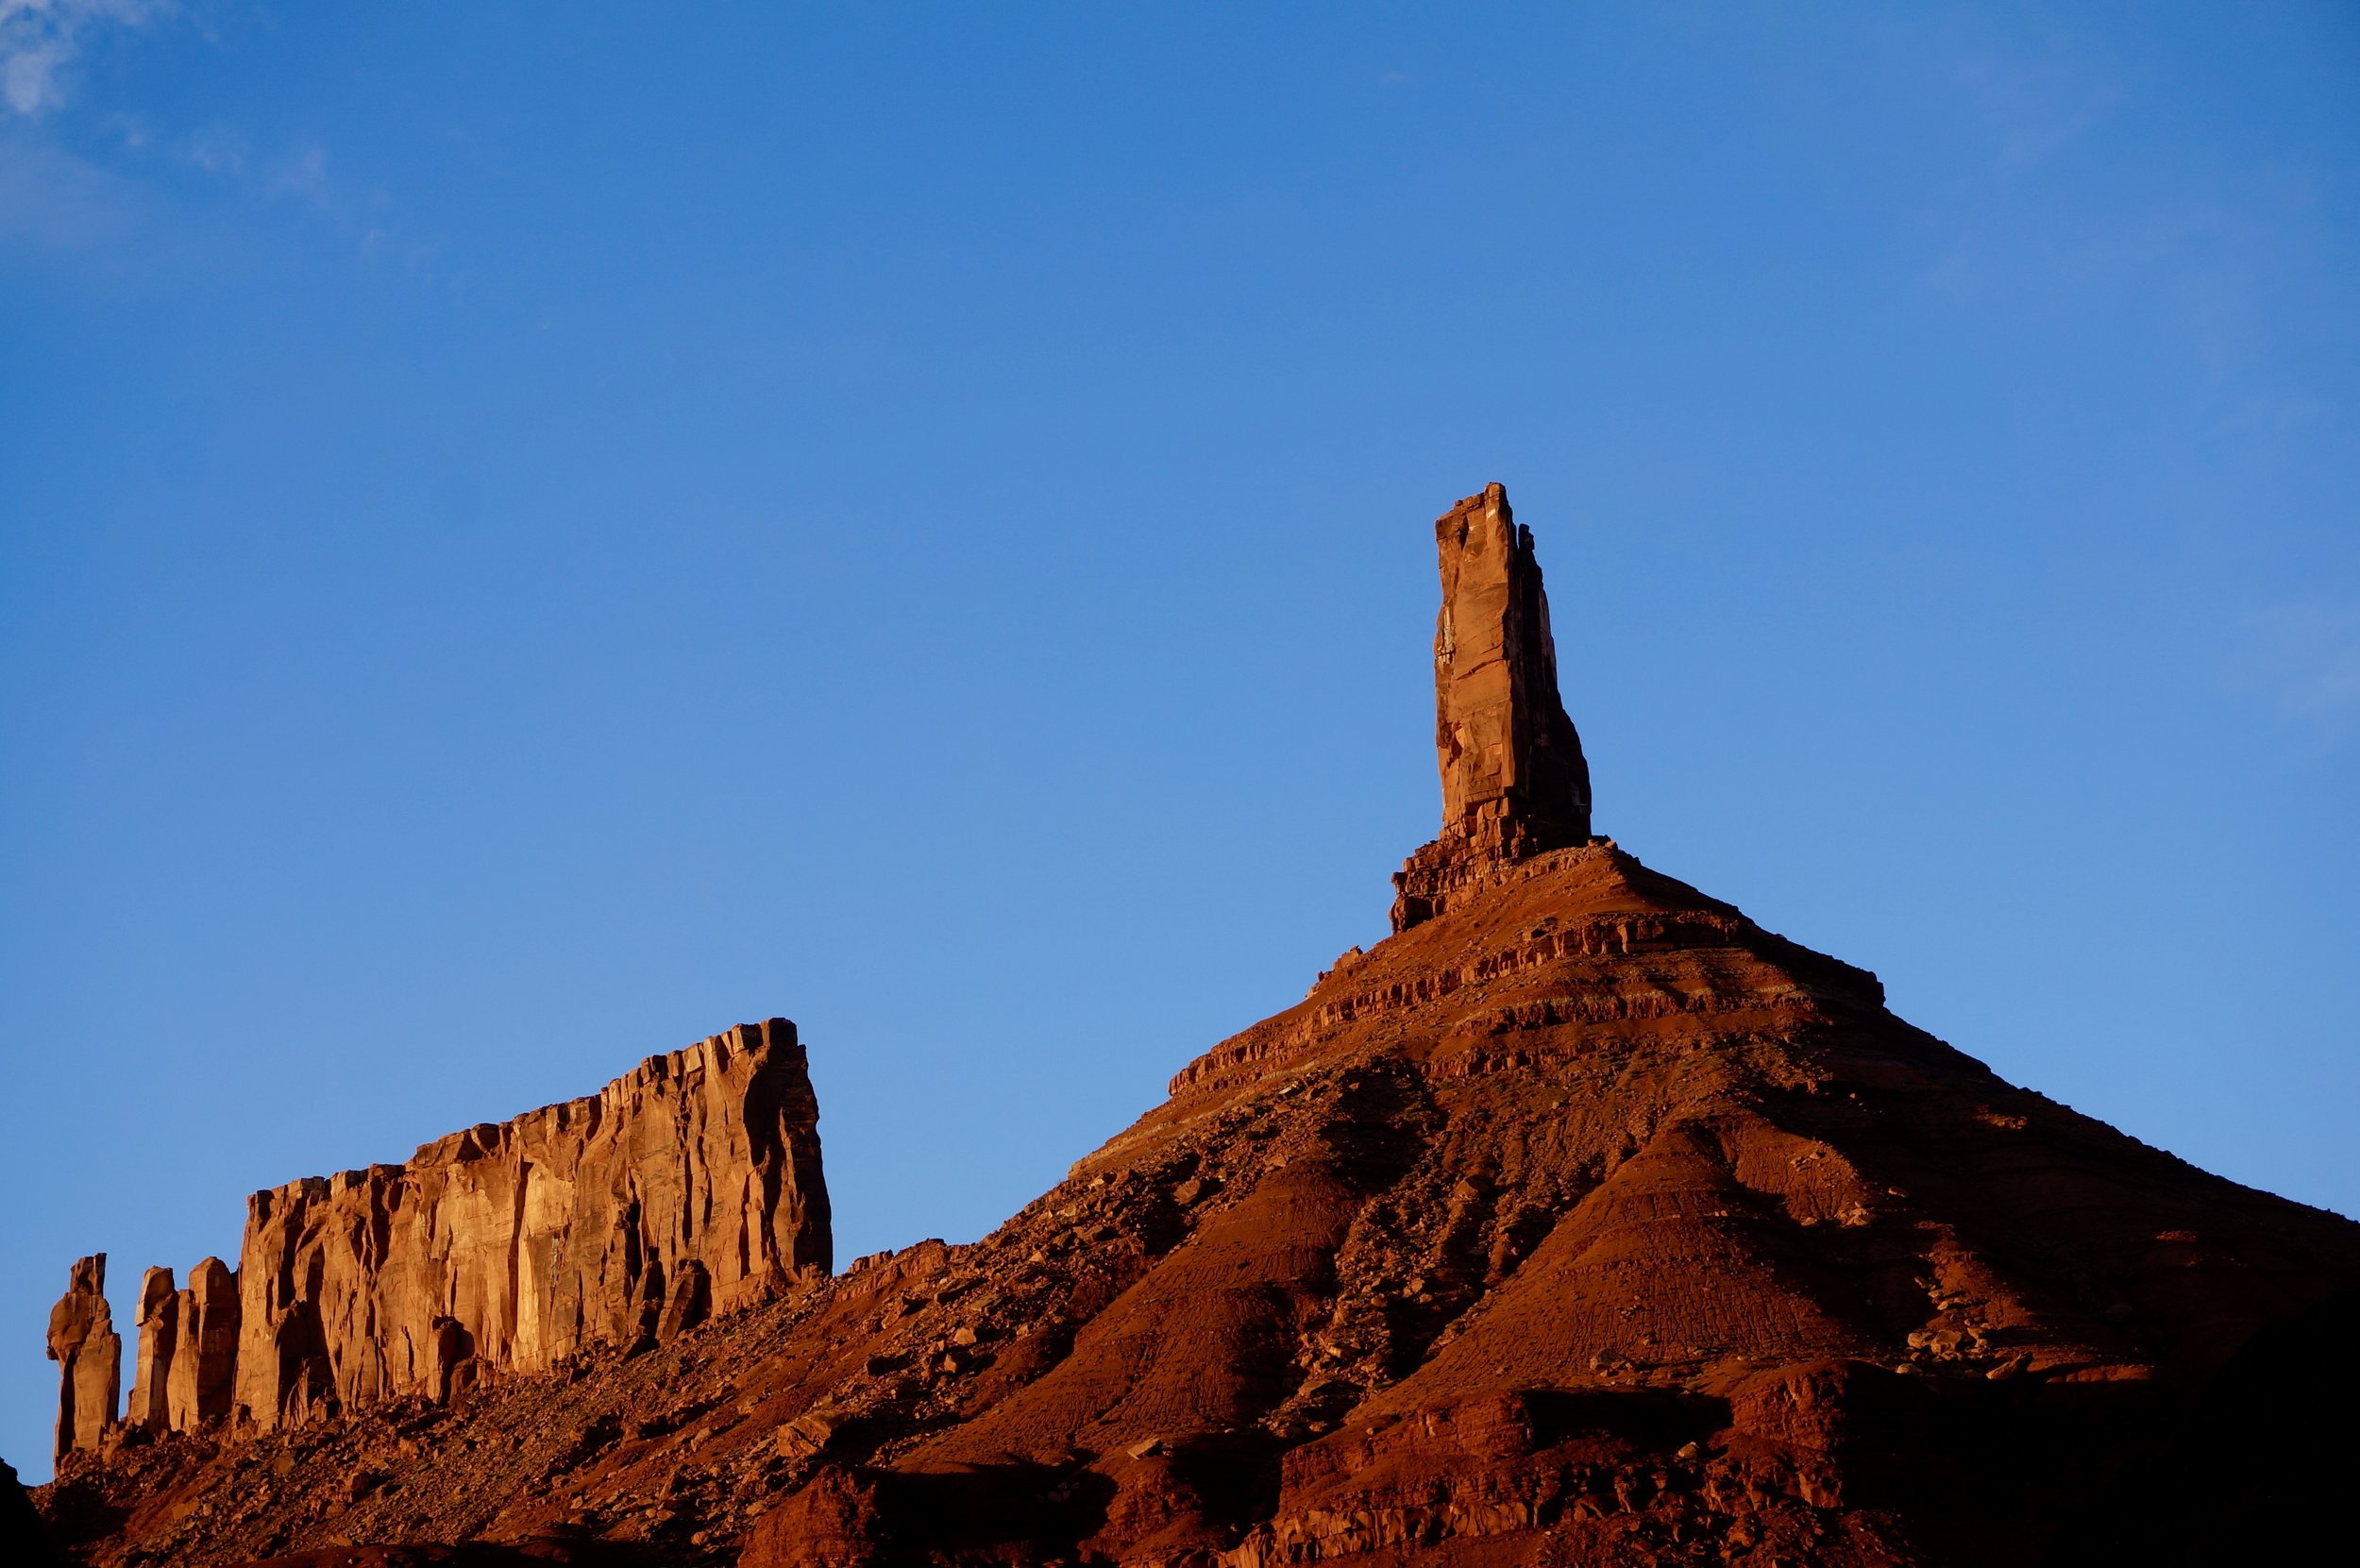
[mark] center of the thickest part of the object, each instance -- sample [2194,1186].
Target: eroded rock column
[158,1337]
[1514,781]
[88,1352]
[202,1385]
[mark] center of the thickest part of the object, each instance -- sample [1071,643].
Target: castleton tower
[1514,781]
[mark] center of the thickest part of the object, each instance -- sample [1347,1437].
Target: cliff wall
[689,1186]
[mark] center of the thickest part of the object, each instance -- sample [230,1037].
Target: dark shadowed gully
[1582,1220]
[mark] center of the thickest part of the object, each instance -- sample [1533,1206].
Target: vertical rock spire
[158,1326]
[188,1349]
[1514,781]
[88,1352]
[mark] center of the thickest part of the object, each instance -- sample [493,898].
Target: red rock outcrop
[188,1349]
[694,1180]
[1514,779]
[1584,1221]
[691,1186]
[89,1354]
[159,1330]
[201,1382]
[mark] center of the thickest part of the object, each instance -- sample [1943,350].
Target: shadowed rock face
[23,1541]
[1514,781]
[1582,1222]
[89,1354]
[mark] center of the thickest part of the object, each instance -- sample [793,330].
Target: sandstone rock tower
[188,1349]
[1514,781]
[1584,1222]
[88,1352]
[159,1332]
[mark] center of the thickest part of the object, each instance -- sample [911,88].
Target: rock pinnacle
[1514,781]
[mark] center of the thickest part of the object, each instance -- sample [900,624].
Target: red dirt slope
[1585,1223]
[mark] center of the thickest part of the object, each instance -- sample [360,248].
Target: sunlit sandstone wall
[690,1184]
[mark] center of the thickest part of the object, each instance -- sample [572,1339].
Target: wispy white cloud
[118,184]
[38,39]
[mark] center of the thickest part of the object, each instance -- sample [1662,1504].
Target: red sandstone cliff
[689,1186]
[1583,1221]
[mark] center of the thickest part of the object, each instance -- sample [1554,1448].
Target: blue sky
[531,534]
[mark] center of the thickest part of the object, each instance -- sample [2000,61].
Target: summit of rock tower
[1514,781]
[1582,1222]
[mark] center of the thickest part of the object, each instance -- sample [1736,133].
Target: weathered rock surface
[1514,779]
[507,1247]
[690,1185]
[89,1354]
[1582,1222]
[187,1349]
[201,1382]
[159,1328]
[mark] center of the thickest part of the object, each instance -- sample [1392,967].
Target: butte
[1580,1222]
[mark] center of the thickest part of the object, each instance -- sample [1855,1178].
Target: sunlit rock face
[88,1352]
[508,1247]
[1583,1221]
[1514,781]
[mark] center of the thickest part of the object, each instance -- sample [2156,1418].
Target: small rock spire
[88,1352]
[159,1324]
[1514,781]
